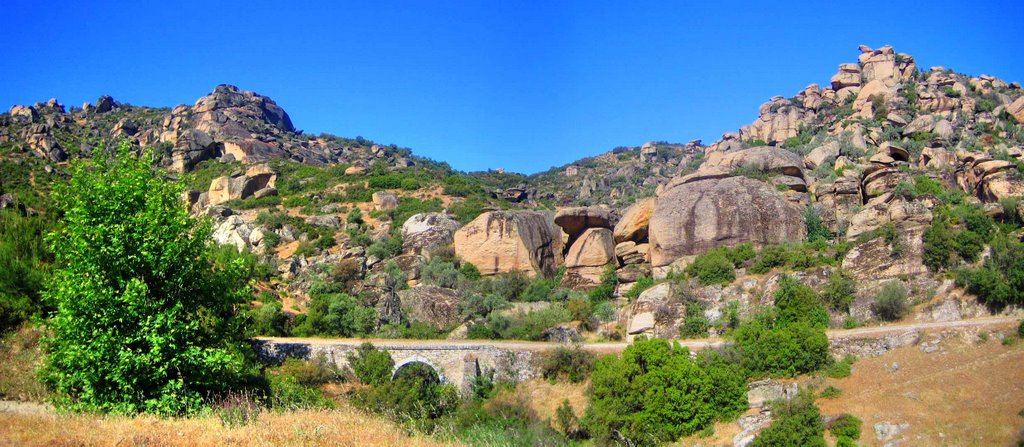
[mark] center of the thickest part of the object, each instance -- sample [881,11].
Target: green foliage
[830,392]
[891,302]
[816,229]
[796,422]
[470,271]
[655,393]
[695,324]
[643,283]
[371,365]
[386,248]
[135,271]
[846,425]
[843,368]
[606,289]
[571,363]
[1000,280]
[267,320]
[774,346]
[334,315]
[415,394]
[798,303]
[839,291]
[713,267]
[25,264]
[520,326]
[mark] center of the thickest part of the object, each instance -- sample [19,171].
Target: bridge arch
[419,360]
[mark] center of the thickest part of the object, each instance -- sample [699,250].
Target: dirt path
[875,331]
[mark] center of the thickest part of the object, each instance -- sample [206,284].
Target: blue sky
[519,85]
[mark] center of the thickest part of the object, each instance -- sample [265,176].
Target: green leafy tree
[144,321]
[25,263]
[371,365]
[799,303]
[655,393]
[839,291]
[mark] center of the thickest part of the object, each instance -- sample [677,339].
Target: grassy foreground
[342,427]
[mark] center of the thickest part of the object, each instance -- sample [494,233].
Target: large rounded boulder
[424,231]
[692,218]
[502,241]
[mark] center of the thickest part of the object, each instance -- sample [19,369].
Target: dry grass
[343,427]
[544,397]
[19,358]
[968,394]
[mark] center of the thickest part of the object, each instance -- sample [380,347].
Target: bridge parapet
[458,364]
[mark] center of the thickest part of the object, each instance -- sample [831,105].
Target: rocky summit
[870,163]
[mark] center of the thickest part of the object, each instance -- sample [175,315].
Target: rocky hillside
[888,175]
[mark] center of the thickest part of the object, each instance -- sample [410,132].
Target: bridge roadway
[459,361]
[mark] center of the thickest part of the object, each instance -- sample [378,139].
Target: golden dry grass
[343,427]
[968,394]
[544,397]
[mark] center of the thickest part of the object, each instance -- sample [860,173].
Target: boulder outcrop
[695,217]
[424,231]
[502,241]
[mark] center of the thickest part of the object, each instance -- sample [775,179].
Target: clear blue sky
[519,85]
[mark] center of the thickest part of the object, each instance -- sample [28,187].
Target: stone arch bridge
[458,362]
[455,362]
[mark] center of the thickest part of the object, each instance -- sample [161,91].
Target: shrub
[846,425]
[787,351]
[136,272]
[939,246]
[798,303]
[713,267]
[796,422]
[334,315]
[891,302]
[25,263]
[268,320]
[695,324]
[571,363]
[440,273]
[654,393]
[371,365]
[816,229]
[842,369]
[469,271]
[388,247]
[830,392]
[839,291]
[643,283]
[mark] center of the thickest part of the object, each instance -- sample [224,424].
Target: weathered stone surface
[695,217]
[1016,108]
[233,231]
[385,200]
[634,222]
[594,248]
[764,159]
[502,241]
[878,258]
[423,231]
[822,154]
[574,221]
[241,186]
[430,304]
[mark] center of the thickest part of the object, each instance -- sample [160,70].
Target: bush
[334,315]
[136,273]
[371,365]
[1000,280]
[796,422]
[695,324]
[842,369]
[643,283]
[891,302]
[655,393]
[816,229]
[787,351]
[713,267]
[571,363]
[267,320]
[388,247]
[846,425]
[25,263]
[839,291]
[798,303]
[830,392]
[469,271]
